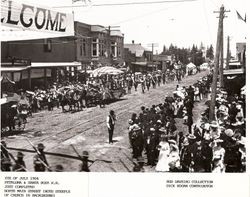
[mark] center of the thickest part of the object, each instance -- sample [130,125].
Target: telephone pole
[216,65]
[222,46]
[152,45]
[228,52]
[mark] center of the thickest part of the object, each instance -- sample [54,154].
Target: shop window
[114,49]
[95,48]
[82,47]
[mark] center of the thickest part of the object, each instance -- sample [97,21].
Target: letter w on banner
[36,18]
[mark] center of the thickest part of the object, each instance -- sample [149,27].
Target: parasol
[106,70]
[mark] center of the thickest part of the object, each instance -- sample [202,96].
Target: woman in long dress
[174,158]
[163,160]
[218,157]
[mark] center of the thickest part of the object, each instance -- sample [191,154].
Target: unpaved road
[86,130]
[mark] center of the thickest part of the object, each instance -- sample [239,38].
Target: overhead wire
[144,15]
[128,3]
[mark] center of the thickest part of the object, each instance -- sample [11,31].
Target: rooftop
[136,49]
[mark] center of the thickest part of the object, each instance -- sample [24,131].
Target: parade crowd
[207,146]
[11,163]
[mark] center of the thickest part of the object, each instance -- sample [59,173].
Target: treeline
[197,55]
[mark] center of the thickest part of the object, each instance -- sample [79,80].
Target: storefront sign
[38,18]
[37,73]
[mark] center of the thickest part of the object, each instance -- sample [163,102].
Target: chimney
[133,42]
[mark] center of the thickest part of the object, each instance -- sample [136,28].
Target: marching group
[11,163]
[208,146]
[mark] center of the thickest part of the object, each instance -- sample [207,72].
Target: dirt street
[87,130]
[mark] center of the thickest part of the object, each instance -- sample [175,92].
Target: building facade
[138,58]
[64,58]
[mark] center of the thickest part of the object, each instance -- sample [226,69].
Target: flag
[240,17]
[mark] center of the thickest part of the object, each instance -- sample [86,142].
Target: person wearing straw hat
[137,141]
[19,164]
[218,157]
[215,132]
[111,118]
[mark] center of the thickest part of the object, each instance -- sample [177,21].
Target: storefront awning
[12,69]
[54,64]
[233,72]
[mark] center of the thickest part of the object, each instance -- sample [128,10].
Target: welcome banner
[37,18]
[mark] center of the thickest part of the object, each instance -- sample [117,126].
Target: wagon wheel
[20,124]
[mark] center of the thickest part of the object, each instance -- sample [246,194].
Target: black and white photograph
[123,86]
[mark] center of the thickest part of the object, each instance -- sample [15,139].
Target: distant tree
[201,48]
[210,52]
[164,51]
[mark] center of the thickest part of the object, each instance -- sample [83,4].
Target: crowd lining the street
[207,146]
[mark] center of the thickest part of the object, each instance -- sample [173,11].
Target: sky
[181,23]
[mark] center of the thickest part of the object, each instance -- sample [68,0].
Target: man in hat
[198,157]
[207,155]
[40,161]
[19,164]
[137,141]
[151,144]
[12,112]
[215,132]
[111,118]
[84,167]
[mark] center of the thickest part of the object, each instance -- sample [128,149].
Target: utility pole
[228,52]
[152,45]
[216,65]
[222,46]
[109,51]
[221,56]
